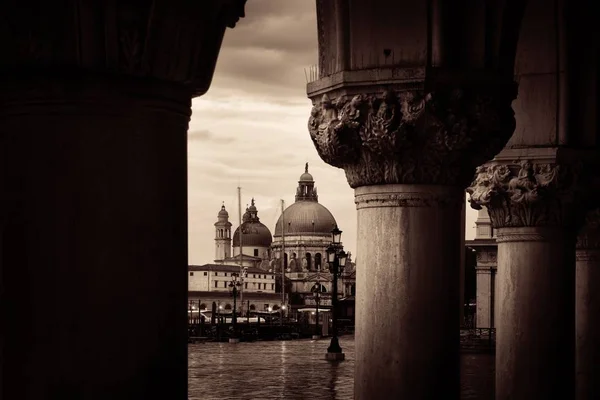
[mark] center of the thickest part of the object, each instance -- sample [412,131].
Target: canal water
[296,370]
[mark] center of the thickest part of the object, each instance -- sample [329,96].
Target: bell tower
[222,235]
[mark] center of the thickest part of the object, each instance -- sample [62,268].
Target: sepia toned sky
[250,129]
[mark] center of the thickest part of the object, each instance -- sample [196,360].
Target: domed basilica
[303,230]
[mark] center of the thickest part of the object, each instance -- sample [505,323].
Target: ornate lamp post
[336,257]
[234,286]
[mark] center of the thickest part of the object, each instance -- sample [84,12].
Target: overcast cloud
[250,129]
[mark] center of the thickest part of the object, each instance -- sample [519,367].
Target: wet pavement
[297,370]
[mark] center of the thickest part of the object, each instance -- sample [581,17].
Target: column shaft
[94,238]
[484,300]
[407,341]
[587,303]
[535,336]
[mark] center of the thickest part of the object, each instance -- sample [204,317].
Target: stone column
[408,238]
[408,153]
[532,206]
[94,108]
[587,306]
[486,270]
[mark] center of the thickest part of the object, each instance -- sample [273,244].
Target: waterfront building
[216,277]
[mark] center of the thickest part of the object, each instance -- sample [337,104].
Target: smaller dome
[252,207]
[254,234]
[223,212]
[306,177]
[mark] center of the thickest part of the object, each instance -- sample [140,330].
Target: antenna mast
[241,254]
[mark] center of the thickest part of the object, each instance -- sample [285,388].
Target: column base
[234,340]
[335,356]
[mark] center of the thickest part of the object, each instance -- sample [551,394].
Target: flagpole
[282,259]
[241,254]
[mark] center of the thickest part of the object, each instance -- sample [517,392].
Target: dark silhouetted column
[94,109]
[587,306]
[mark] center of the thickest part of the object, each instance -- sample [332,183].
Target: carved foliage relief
[526,194]
[412,136]
[487,256]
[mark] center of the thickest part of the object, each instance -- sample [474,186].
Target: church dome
[306,177]
[254,232]
[306,217]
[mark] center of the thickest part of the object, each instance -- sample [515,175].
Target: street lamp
[283,307]
[234,286]
[336,257]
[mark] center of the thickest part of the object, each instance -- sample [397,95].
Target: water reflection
[283,370]
[297,370]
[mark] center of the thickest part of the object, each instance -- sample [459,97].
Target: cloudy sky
[250,129]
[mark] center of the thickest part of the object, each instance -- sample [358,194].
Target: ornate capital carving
[414,136]
[589,235]
[527,194]
[176,42]
[487,256]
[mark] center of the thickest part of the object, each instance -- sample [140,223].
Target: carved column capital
[414,136]
[176,42]
[528,194]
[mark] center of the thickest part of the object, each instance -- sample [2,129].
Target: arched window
[316,286]
[309,262]
[318,261]
[252,307]
[228,306]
